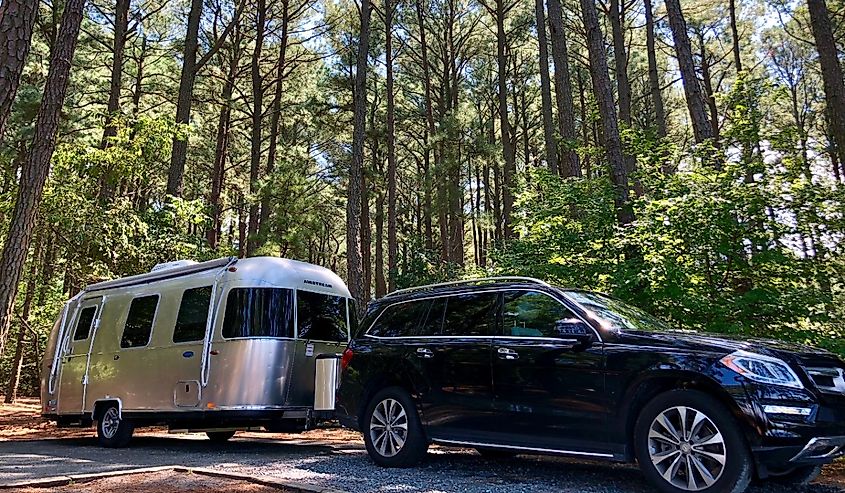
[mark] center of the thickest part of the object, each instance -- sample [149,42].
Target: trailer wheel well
[101,405]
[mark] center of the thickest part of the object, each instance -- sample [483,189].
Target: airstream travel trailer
[215,346]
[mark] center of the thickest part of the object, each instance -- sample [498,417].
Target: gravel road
[334,464]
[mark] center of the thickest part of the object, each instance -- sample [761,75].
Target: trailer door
[322,328]
[76,351]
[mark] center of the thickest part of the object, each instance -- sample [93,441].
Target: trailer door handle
[507,354]
[116,357]
[424,353]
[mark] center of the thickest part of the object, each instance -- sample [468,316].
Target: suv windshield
[616,315]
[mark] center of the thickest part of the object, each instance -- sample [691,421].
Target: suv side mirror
[574,328]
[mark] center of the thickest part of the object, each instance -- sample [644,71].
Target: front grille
[828,379]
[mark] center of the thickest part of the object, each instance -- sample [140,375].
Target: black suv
[514,365]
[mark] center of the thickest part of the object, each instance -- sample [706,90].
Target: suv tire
[800,476]
[393,433]
[112,430]
[687,441]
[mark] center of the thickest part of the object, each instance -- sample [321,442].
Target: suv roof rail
[467,282]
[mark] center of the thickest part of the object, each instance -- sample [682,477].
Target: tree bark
[709,95]
[429,118]
[392,247]
[121,25]
[252,241]
[179,151]
[702,130]
[834,88]
[508,151]
[275,118]
[37,166]
[221,147]
[653,80]
[607,110]
[620,60]
[17,19]
[735,35]
[568,163]
[355,271]
[17,360]
[546,88]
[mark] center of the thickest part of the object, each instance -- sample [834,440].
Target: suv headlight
[764,369]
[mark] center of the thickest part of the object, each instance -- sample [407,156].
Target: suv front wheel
[687,441]
[393,433]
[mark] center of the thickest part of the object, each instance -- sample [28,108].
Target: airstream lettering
[217,346]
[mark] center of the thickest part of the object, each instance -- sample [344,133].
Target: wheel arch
[101,404]
[383,380]
[654,383]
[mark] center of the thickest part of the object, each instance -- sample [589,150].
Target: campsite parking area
[332,459]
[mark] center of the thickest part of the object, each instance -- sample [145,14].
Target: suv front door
[548,379]
[454,352]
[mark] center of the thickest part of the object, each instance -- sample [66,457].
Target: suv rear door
[454,353]
[549,388]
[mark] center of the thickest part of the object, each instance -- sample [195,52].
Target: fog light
[787,410]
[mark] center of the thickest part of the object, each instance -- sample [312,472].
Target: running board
[515,448]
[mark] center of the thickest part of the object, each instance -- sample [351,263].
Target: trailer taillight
[346,358]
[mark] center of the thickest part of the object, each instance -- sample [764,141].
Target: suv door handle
[424,353]
[508,354]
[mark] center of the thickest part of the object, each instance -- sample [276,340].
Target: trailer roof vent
[172,265]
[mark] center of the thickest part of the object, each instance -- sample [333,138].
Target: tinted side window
[321,317]
[139,322]
[258,312]
[470,315]
[83,324]
[400,320]
[193,315]
[433,324]
[533,314]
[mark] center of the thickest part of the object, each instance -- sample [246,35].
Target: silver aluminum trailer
[215,346]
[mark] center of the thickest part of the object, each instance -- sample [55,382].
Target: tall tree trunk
[546,88]
[121,25]
[252,241]
[275,117]
[653,80]
[569,165]
[37,166]
[702,130]
[834,87]
[709,95]
[508,151]
[17,18]
[429,118]
[367,236]
[735,35]
[392,247]
[179,151]
[381,285]
[17,360]
[221,149]
[355,271]
[620,60]
[607,110]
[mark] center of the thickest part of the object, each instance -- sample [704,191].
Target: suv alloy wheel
[392,430]
[686,441]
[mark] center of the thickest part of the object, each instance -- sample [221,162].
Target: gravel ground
[159,482]
[340,464]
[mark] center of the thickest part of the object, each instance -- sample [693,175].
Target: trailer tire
[112,430]
[220,436]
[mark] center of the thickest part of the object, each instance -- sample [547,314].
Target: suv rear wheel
[687,441]
[393,433]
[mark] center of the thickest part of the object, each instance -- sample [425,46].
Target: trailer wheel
[220,436]
[112,430]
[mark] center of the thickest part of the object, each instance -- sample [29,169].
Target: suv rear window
[400,320]
[472,314]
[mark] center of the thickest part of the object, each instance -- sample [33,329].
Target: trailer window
[321,317]
[139,322]
[193,315]
[83,324]
[258,312]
